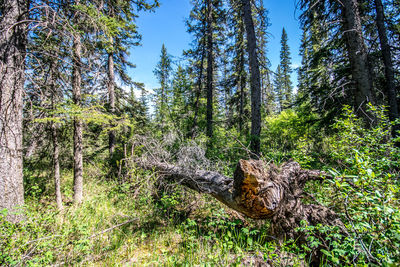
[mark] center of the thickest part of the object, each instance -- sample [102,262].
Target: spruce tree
[163,94]
[205,24]
[77,100]
[196,26]
[286,69]
[255,84]
[325,79]
[279,86]
[358,57]
[181,87]
[343,64]
[240,65]
[391,90]
[210,65]
[262,24]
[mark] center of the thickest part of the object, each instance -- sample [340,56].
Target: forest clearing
[241,155]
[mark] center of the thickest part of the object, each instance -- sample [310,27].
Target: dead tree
[259,191]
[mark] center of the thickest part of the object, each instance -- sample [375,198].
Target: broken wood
[259,191]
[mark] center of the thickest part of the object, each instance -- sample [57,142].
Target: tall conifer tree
[163,94]
[255,84]
[205,24]
[285,65]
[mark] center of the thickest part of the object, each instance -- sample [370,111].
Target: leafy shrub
[365,192]
[292,134]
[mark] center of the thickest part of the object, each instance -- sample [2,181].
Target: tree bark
[56,166]
[54,133]
[259,192]
[78,125]
[198,92]
[358,56]
[111,99]
[210,71]
[13,39]
[242,83]
[254,78]
[391,93]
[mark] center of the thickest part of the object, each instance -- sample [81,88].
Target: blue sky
[167,25]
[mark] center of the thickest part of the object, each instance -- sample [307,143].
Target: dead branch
[112,228]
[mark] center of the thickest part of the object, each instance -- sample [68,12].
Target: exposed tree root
[260,191]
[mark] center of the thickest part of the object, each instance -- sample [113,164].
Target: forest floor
[138,219]
[127,224]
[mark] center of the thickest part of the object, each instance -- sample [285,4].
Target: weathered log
[259,191]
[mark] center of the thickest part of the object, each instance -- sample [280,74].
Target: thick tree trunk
[210,70]
[391,93]
[78,125]
[111,100]
[259,192]
[358,56]
[254,78]
[12,66]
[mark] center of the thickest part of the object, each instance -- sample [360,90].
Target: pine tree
[227,89]
[196,26]
[117,21]
[119,26]
[279,84]
[303,80]
[77,100]
[262,24]
[316,74]
[181,87]
[358,57]
[240,62]
[144,98]
[163,94]
[204,24]
[391,91]
[255,85]
[325,77]
[210,65]
[349,70]
[285,66]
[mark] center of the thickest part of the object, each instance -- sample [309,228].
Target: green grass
[163,232]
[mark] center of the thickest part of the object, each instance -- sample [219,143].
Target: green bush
[292,134]
[365,193]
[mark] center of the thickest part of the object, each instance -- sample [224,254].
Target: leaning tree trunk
[259,192]
[12,62]
[255,84]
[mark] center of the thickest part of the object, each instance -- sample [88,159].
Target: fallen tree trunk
[259,191]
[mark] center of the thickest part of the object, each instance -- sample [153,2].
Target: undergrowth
[135,221]
[166,231]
